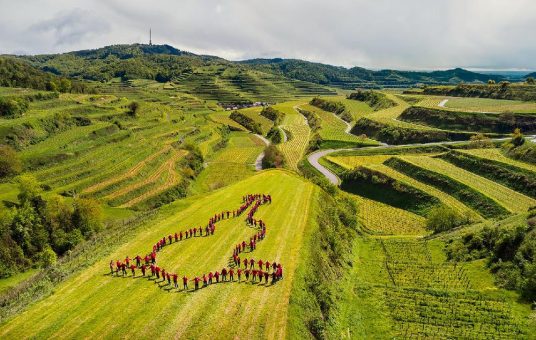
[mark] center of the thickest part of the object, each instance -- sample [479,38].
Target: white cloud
[410,34]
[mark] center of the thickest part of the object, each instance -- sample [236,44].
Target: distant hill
[212,77]
[361,77]
[19,73]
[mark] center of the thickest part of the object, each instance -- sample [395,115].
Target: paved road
[314,157]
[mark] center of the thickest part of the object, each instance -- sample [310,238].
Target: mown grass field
[94,304]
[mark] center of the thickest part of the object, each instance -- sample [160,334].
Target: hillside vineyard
[150,192]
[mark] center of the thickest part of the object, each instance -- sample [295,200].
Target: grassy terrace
[99,300]
[508,198]
[376,162]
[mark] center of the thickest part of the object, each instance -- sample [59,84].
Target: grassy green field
[96,304]
[334,129]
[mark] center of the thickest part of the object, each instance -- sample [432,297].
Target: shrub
[275,135]
[133,109]
[274,115]
[273,158]
[246,122]
[376,100]
[327,105]
[10,164]
[11,107]
[443,218]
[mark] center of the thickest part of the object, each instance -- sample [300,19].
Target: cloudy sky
[409,34]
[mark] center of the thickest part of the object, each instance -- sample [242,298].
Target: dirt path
[442,103]
[348,125]
[258,161]
[285,139]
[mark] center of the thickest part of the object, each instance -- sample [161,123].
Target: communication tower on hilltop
[150,38]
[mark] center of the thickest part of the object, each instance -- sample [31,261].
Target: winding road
[314,158]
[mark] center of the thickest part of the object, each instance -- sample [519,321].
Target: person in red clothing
[251,263]
[180,235]
[217,276]
[176,237]
[147,259]
[143,267]
[170,238]
[127,261]
[168,277]
[133,269]
[260,274]
[157,271]
[124,269]
[231,275]
[224,274]
[246,273]
[267,264]
[239,274]
[152,270]
[205,280]
[184,283]
[196,281]
[280,271]
[163,274]
[245,263]
[260,263]
[153,257]
[175,277]
[266,275]
[210,276]
[254,275]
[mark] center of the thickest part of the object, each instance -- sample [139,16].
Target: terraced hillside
[100,300]
[297,133]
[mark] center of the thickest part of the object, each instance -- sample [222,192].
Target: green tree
[48,257]
[12,107]
[491,82]
[273,158]
[65,85]
[442,218]
[87,216]
[531,81]
[29,188]
[10,163]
